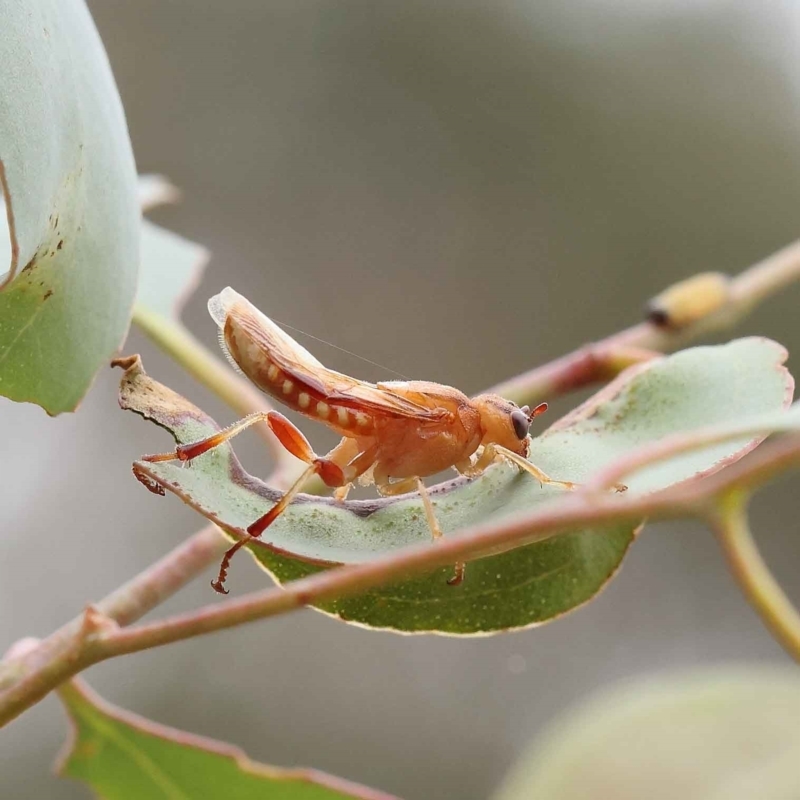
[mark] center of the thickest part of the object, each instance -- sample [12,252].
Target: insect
[394,434]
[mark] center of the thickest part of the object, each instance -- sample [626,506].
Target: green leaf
[171,266]
[125,757]
[171,269]
[729,734]
[526,586]
[70,191]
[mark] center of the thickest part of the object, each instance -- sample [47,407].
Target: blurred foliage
[729,733]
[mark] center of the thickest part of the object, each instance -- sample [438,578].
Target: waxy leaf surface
[125,757]
[525,586]
[730,734]
[70,193]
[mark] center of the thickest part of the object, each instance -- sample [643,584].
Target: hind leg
[333,469]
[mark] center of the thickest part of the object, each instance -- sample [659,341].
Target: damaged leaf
[525,586]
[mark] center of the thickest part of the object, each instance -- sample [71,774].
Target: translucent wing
[258,342]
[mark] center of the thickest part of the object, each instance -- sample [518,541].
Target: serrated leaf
[70,186]
[514,589]
[728,734]
[126,757]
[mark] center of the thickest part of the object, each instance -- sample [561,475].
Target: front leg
[543,478]
[492,452]
[531,469]
[472,469]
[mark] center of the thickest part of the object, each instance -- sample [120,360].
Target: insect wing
[381,402]
[269,343]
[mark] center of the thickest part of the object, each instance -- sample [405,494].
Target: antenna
[341,349]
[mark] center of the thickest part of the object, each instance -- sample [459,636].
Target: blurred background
[456,190]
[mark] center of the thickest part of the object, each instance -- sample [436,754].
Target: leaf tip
[128,363]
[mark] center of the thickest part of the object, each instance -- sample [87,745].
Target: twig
[592,363]
[677,444]
[568,513]
[606,358]
[752,574]
[30,677]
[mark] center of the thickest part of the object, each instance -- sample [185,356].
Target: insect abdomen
[255,363]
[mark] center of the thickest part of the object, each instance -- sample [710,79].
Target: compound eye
[521,423]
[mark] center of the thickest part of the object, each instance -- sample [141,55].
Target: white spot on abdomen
[323,409]
[287,387]
[303,400]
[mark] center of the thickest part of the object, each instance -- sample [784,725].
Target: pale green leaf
[70,186]
[171,269]
[726,734]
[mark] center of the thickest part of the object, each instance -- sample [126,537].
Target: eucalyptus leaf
[726,734]
[70,192]
[525,586]
[171,265]
[125,757]
[170,271]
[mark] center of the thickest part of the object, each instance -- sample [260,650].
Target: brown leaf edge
[155,402]
[589,408]
[169,410]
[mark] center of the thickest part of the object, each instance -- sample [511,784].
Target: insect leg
[261,524]
[472,470]
[436,531]
[404,486]
[186,452]
[531,469]
[340,495]
[540,476]
[355,463]
[331,472]
[400,487]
